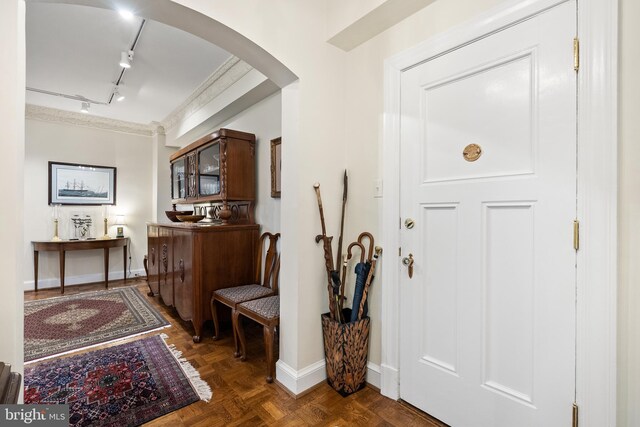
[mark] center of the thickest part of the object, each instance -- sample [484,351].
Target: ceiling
[75,50]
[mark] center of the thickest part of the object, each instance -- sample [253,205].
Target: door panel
[508,290]
[458,111]
[488,319]
[439,342]
[152,258]
[165,248]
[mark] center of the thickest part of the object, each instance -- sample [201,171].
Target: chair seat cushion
[268,307]
[243,293]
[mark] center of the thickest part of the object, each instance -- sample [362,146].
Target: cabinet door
[152,258]
[166,265]
[179,179]
[183,273]
[209,170]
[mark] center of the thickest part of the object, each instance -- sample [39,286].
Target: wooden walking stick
[328,252]
[338,283]
[368,282]
[345,185]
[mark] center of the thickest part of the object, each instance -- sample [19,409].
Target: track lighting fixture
[126,58]
[85,107]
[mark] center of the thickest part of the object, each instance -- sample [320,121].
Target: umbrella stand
[346,345]
[346,348]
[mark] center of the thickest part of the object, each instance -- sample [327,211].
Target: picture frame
[276,167]
[80,184]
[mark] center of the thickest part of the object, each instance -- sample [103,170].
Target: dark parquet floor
[241,397]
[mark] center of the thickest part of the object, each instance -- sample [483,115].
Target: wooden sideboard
[187,262]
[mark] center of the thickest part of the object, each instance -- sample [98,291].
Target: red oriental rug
[55,326]
[125,385]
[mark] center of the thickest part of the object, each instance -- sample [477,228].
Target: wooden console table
[79,245]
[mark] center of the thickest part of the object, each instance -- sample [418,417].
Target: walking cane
[328,252]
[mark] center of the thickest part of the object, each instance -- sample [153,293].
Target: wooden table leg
[62,256]
[35,269]
[124,262]
[106,268]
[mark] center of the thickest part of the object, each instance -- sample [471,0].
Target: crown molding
[46,114]
[227,74]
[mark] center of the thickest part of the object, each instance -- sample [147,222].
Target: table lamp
[120,223]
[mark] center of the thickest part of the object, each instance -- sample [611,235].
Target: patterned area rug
[59,325]
[125,385]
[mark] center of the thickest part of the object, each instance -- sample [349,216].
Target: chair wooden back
[268,277]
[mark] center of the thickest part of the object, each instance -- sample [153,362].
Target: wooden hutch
[188,261]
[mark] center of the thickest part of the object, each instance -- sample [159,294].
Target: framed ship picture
[76,184]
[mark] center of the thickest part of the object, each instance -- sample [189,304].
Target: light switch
[377,188]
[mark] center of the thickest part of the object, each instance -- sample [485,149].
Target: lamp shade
[120,220]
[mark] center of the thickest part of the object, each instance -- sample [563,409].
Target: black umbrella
[362,272]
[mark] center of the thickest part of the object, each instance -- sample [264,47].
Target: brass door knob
[408,262]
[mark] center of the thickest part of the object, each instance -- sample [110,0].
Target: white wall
[629,212]
[365,105]
[264,121]
[12,77]
[130,154]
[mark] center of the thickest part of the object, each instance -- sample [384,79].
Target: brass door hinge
[574,422]
[576,54]
[576,234]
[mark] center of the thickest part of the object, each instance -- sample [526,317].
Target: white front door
[488,319]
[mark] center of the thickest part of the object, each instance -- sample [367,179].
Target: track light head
[126,58]
[117,95]
[85,108]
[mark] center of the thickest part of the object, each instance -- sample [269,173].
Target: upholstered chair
[265,284]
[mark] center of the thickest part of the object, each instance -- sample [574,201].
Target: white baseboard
[298,382]
[390,382]
[373,374]
[78,280]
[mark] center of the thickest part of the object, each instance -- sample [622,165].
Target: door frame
[597,194]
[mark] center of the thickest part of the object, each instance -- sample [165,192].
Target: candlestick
[55,231]
[105,214]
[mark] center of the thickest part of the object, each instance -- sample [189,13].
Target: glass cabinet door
[209,170]
[178,178]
